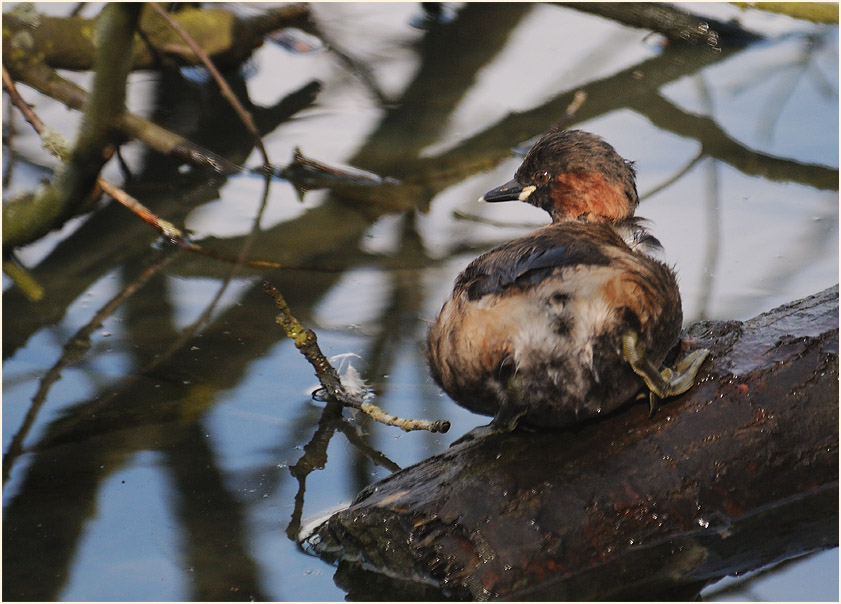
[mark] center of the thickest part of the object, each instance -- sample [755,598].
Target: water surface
[182,454]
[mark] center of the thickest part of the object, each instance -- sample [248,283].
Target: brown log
[738,473]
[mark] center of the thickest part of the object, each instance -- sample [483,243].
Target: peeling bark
[738,473]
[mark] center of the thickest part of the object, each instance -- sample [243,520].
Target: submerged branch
[24,107]
[164,227]
[307,174]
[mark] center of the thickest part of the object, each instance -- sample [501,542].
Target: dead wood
[739,473]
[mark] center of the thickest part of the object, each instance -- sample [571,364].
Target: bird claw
[666,382]
[653,404]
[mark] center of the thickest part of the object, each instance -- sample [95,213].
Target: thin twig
[243,113]
[166,228]
[307,342]
[23,106]
[52,141]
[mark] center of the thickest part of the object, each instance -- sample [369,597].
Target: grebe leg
[666,382]
[507,416]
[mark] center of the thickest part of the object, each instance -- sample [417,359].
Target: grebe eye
[541,177]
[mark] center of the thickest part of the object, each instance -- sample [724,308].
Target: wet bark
[739,473]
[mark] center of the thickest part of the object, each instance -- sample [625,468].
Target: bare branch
[678,25]
[307,342]
[74,183]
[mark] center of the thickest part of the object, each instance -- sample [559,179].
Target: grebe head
[573,175]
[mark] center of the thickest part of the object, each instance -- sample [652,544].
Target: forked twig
[307,342]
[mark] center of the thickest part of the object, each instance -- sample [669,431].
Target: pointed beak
[510,191]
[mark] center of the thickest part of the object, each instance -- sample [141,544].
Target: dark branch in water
[306,174]
[74,350]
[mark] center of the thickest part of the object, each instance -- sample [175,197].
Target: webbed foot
[666,382]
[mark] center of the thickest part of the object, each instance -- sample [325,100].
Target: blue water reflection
[180,456]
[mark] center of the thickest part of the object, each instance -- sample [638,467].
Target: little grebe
[570,321]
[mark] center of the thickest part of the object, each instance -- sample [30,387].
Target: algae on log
[738,473]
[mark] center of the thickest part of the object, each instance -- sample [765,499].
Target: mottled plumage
[534,330]
[552,308]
